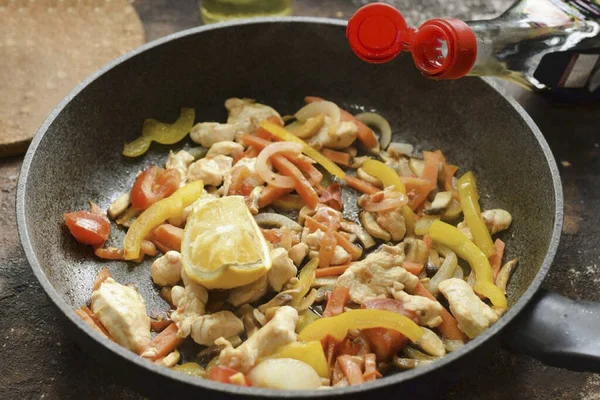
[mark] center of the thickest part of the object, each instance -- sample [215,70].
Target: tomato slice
[223,375]
[152,185]
[88,228]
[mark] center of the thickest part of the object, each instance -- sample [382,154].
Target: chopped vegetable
[332,196]
[374,119]
[158,213]
[451,237]
[338,326]
[305,281]
[225,374]
[311,353]
[469,201]
[153,130]
[338,157]
[88,228]
[385,174]
[164,343]
[308,128]
[371,372]
[331,271]
[287,202]
[167,237]
[152,185]
[412,267]
[432,167]
[361,185]
[351,370]
[417,190]
[101,276]
[365,134]
[90,318]
[336,301]
[342,241]
[190,368]
[504,274]
[309,151]
[306,318]
[303,187]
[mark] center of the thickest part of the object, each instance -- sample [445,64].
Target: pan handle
[558,331]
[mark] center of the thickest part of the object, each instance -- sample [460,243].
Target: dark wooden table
[39,361]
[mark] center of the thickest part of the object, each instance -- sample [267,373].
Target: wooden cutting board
[46,48]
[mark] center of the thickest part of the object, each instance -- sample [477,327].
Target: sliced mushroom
[250,323]
[417,166]
[119,206]
[372,227]
[416,250]
[505,273]
[362,235]
[441,201]
[281,299]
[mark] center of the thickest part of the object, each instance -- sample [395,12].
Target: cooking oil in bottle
[223,10]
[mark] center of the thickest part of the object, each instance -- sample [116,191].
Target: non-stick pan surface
[76,155]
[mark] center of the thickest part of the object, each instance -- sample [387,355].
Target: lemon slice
[223,246]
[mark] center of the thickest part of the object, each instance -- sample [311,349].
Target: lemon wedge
[223,246]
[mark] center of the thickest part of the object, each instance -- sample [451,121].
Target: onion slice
[324,107]
[277,220]
[376,120]
[264,169]
[386,204]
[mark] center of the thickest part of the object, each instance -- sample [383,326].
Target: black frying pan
[76,156]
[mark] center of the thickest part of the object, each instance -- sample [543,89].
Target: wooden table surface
[39,361]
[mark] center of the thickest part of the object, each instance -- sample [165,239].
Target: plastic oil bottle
[543,45]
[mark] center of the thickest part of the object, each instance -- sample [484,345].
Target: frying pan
[76,156]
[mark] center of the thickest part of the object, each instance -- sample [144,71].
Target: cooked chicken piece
[208,133]
[367,219]
[205,329]
[210,170]
[360,173]
[298,252]
[431,343]
[428,311]
[332,138]
[392,222]
[472,314]
[279,331]
[122,311]
[190,301]
[248,293]
[375,275]
[244,162]
[246,114]
[313,241]
[282,269]
[180,161]
[170,360]
[228,148]
[166,270]
[340,256]
[496,220]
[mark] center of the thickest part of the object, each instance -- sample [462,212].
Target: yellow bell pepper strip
[156,214]
[469,202]
[385,174]
[338,326]
[138,147]
[310,353]
[306,277]
[454,239]
[283,134]
[160,132]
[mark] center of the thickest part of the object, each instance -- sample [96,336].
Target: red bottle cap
[441,48]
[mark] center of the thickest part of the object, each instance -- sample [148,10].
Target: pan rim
[203,384]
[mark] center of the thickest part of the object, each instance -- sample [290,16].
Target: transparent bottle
[544,45]
[223,10]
